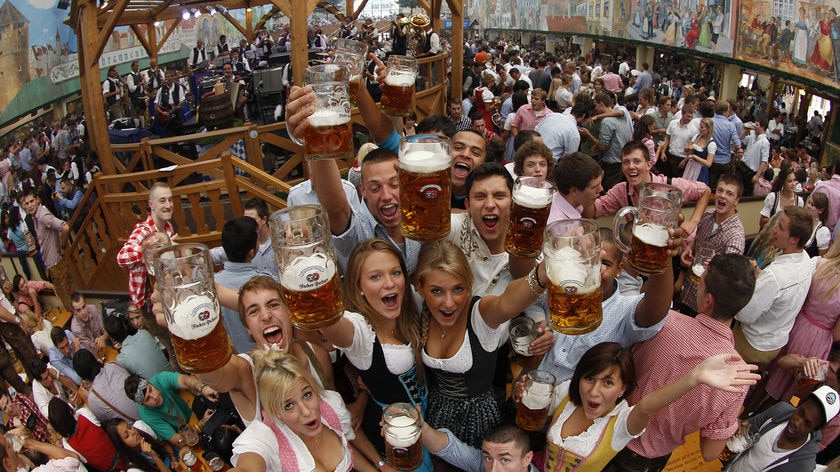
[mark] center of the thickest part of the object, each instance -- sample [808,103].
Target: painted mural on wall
[803,38]
[702,25]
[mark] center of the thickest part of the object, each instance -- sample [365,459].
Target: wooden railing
[200,210]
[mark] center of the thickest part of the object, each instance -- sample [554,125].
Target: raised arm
[517,296]
[724,372]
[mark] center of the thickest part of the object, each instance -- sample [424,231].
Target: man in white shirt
[774,131]
[677,136]
[780,291]
[757,151]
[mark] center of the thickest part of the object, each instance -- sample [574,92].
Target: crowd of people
[427,323]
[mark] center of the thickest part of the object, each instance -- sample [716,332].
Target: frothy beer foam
[698,269]
[652,234]
[537,396]
[424,161]
[566,266]
[402,431]
[322,118]
[737,444]
[195,317]
[308,273]
[532,197]
[400,79]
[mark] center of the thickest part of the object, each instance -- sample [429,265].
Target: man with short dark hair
[780,291]
[682,343]
[461,122]
[239,240]
[505,447]
[112,93]
[831,189]
[578,179]
[87,324]
[52,236]
[725,136]
[139,353]
[107,398]
[61,354]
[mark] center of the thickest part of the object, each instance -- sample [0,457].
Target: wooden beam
[266,17]
[425,6]
[235,24]
[359,10]
[249,25]
[457,57]
[163,7]
[167,34]
[105,33]
[151,31]
[139,35]
[89,44]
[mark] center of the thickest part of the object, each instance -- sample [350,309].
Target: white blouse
[398,357]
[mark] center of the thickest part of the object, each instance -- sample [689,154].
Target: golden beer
[425,192]
[398,94]
[649,249]
[353,88]
[329,136]
[531,420]
[312,292]
[696,272]
[574,312]
[532,407]
[529,210]
[198,335]
[523,331]
[529,362]
[401,429]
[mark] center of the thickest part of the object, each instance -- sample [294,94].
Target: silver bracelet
[534,282]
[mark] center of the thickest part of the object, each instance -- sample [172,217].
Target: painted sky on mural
[44,18]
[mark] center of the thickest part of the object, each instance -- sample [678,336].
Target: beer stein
[398,89]
[702,257]
[330,131]
[351,54]
[523,331]
[188,434]
[740,442]
[572,251]
[658,209]
[151,244]
[401,429]
[191,307]
[300,236]
[528,214]
[425,187]
[532,407]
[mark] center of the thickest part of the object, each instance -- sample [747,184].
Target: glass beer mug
[351,54]
[658,209]
[300,236]
[330,131]
[151,245]
[401,429]
[572,250]
[425,187]
[532,408]
[528,214]
[191,307]
[398,89]
[523,331]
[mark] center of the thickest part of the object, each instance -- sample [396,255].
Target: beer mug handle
[294,138]
[619,224]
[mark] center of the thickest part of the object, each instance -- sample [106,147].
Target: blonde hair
[829,268]
[276,373]
[445,256]
[29,318]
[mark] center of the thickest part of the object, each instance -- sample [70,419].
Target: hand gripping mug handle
[292,136]
[620,224]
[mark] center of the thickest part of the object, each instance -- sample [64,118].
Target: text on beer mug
[191,307]
[657,210]
[572,250]
[425,187]
[300,237]
[529,211]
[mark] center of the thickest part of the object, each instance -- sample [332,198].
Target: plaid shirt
[725,238]
[131,257]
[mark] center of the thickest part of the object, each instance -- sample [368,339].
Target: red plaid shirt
[131,257]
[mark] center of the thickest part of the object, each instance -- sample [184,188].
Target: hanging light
[186,15]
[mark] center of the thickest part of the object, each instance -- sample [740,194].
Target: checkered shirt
[131,257]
